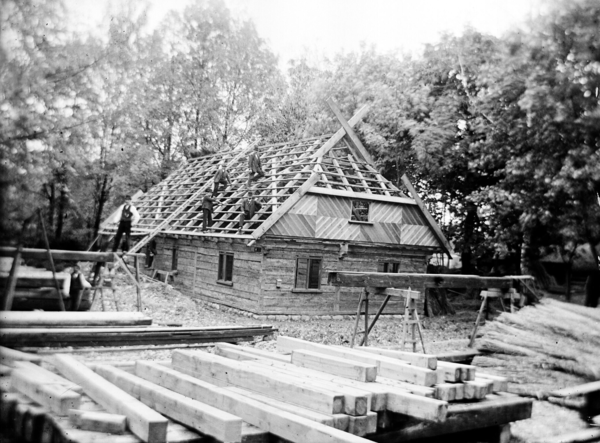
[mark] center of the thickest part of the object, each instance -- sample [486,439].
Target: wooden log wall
[279,263]
[257,270]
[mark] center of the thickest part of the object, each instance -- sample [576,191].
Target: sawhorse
[363,308]
[493,293]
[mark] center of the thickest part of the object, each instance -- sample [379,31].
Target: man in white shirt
[128,216]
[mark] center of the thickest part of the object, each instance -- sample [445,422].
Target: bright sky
[324,27]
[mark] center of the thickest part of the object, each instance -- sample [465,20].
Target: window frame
[225,258]
[360,206]
[390,267]
[307,278]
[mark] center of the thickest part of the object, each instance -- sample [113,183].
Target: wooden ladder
[411,320]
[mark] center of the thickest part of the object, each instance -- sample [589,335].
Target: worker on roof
[127,216]
[207,210]
[256,170]
[249,206]
[221,178]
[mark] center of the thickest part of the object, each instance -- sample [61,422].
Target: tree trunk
[468,233]
[60,219]
[102,193]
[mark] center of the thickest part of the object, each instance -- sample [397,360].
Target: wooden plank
[386,366]
[437,232]
[285,207]
[269,418]
[422,360]
[423,391]
[57,337]
[45,376]
[335,365]
[445,374]
[59,319]
[143,421]
[393,292]
[98,421]
[211,367]
[42,254]
[419,280]
[202,417]
[10,355]
[477,389]
[582,389]
[587,435]
[55,397]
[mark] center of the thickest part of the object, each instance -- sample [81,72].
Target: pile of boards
[543,347]
[80,329]
[306,392]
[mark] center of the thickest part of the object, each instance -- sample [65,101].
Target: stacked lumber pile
[542,347]
[79,329]
[306,392]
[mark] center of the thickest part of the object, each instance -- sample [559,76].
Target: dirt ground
[167,306]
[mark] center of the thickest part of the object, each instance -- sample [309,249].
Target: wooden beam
[423,360]
[45,376]
[281,423]
[98,421]
[7,355]
[415,280]
[437,232]
[354,140]
[256,352]
[362,196]
[586,388]
[57,254]
[143,421]
[204,418]
[55,397]
[386,367]
[48,319]
[227,372]
[393,292]
[340,133]
[285,207]
[335,365]
[467,372]
[11,282]
[324,419]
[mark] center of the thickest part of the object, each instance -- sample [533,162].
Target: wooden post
[9,290]
[358,311]
[379,311]
[61,301]
[366,334]
[138,289]
[123,265]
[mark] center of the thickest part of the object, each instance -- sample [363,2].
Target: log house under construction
[324,208]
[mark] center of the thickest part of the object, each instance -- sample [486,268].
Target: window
[225,267]
[308,273]
[360,211]
[389,267]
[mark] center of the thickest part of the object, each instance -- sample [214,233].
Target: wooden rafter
[351,135]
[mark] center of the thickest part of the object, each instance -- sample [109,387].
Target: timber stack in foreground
[538,343]
[306,392]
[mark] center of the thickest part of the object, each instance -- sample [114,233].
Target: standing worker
[207,209]
[256,170]
[78,284]
[128,216]
[221,178]
[250,206]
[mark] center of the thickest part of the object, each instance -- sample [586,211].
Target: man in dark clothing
[78,285]
[249,207]
[150,253]
[128,216]
[221,178]
[255,166]
[207,209]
